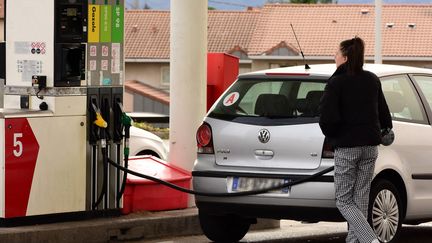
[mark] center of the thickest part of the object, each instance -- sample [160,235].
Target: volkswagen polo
[263,131]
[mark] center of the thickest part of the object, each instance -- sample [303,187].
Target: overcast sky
[164,4]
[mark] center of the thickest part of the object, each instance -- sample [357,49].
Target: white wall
[148,73]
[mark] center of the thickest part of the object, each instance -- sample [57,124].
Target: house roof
[147,91]
[2,9]
[319,28]
[148,32]
[229,30]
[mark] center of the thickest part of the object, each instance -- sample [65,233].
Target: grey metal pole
[378,31]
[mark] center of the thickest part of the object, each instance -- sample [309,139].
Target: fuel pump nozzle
[127,123]
[99,121]
[123,122]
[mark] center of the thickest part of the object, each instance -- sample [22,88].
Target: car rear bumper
[299,213]
[313,200]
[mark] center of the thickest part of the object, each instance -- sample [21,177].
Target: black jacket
[353,109]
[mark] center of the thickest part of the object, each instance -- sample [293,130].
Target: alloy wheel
[385,215]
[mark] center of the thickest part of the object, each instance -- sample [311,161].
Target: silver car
[263,131]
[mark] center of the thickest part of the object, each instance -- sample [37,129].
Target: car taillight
[328,150]
[204,139]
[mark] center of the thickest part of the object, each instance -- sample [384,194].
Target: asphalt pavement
[298,232]
[182,226]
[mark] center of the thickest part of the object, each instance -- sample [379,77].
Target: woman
[353,112]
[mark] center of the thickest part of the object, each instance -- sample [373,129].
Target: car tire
[148,152]
[386,209]
[226,228]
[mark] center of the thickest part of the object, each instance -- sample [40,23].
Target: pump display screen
[70,22]
[71,12]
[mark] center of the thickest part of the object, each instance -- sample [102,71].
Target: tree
[137,4]
[278,1]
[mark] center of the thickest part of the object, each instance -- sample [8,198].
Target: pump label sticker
[28,68]
[93,51]
[105,51]
[93,65]
[94,20]
[231,98]
[115,58]
[23,47]
[105,32]
[104,65]
[117,23]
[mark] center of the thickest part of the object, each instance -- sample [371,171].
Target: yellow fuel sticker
[94,23]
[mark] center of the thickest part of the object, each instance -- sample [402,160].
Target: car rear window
[270,101]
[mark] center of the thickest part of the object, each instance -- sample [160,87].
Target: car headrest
[313,99]
[395,101]
[272,105]
[301,105]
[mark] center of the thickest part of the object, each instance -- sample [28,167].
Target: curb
[135,226]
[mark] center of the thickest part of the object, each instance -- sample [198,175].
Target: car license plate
[241,184]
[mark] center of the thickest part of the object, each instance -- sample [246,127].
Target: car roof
[328,69]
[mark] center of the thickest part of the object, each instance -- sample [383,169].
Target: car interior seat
[395,101]
[272,105]
[312,101]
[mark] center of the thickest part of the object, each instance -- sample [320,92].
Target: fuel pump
[105,84]
[64,74]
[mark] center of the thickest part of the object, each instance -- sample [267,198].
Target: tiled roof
[2,9]
[321,27]
[228,30]
[147,91]
[147,32]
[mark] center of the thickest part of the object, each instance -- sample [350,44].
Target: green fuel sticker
[118,23]
[105,23]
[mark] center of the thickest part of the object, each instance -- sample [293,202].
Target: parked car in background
[264,131]
[143,142]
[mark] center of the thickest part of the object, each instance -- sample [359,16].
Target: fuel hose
[233,194]
[127,123]
[102,195]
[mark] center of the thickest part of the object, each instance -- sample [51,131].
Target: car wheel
[148,152]
[227,228]
[385,211]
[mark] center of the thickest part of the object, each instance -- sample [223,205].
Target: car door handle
[264,154]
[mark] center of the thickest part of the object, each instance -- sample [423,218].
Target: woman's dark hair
[353,49]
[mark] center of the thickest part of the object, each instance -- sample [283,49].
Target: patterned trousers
[353,174]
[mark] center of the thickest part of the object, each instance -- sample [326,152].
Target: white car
[142,142]
[264,130]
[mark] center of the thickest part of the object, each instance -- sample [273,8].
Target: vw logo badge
[264,136]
